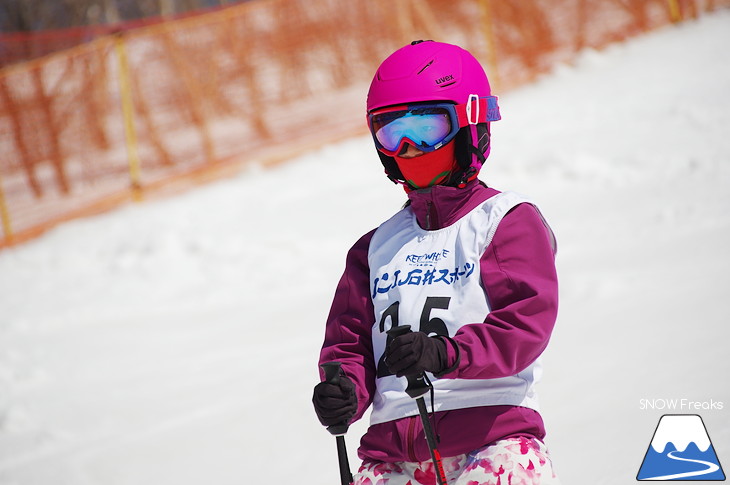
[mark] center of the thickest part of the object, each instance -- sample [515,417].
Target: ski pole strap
[431,440]
[418,385]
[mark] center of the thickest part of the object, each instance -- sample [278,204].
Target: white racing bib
[431,281]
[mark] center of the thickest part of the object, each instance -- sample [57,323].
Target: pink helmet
[426,71]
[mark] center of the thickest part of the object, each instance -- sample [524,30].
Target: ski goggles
[428,126]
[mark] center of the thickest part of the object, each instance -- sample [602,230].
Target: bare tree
[30,15]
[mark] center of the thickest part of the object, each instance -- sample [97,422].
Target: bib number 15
[427,324]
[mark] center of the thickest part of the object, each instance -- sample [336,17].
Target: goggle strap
[478,110]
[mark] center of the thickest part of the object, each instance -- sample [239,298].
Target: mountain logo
[680,450]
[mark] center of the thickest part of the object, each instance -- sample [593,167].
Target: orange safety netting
[177,102]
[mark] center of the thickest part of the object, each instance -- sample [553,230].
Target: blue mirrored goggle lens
[424,127]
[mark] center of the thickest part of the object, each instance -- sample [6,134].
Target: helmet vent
[425,67]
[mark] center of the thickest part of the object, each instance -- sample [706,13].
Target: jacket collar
[440,206]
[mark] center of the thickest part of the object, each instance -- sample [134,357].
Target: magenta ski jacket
[518,275]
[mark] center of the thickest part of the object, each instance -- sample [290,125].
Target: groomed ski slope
[175,341]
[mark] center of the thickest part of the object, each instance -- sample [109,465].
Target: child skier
[469,268]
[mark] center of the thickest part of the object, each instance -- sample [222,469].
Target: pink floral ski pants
[514,461]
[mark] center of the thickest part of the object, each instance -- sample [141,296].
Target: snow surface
[175,341]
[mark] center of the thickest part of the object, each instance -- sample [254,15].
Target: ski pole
[332,375]
[417,387]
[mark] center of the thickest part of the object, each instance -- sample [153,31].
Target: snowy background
[175,341]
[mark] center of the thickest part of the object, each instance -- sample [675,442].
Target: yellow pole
[4,214]
[405,20]
[493,73]
[130,133]
[674,12]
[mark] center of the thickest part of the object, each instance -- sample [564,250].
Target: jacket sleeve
[348,330]
[520,282]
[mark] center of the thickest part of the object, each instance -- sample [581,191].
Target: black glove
[415,352]
[335,403]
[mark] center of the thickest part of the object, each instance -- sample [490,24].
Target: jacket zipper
[428,215]
[411,438]
[430,220]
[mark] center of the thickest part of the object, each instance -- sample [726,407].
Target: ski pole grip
[399,330]
[332,376]
[331,372]
[417,385]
